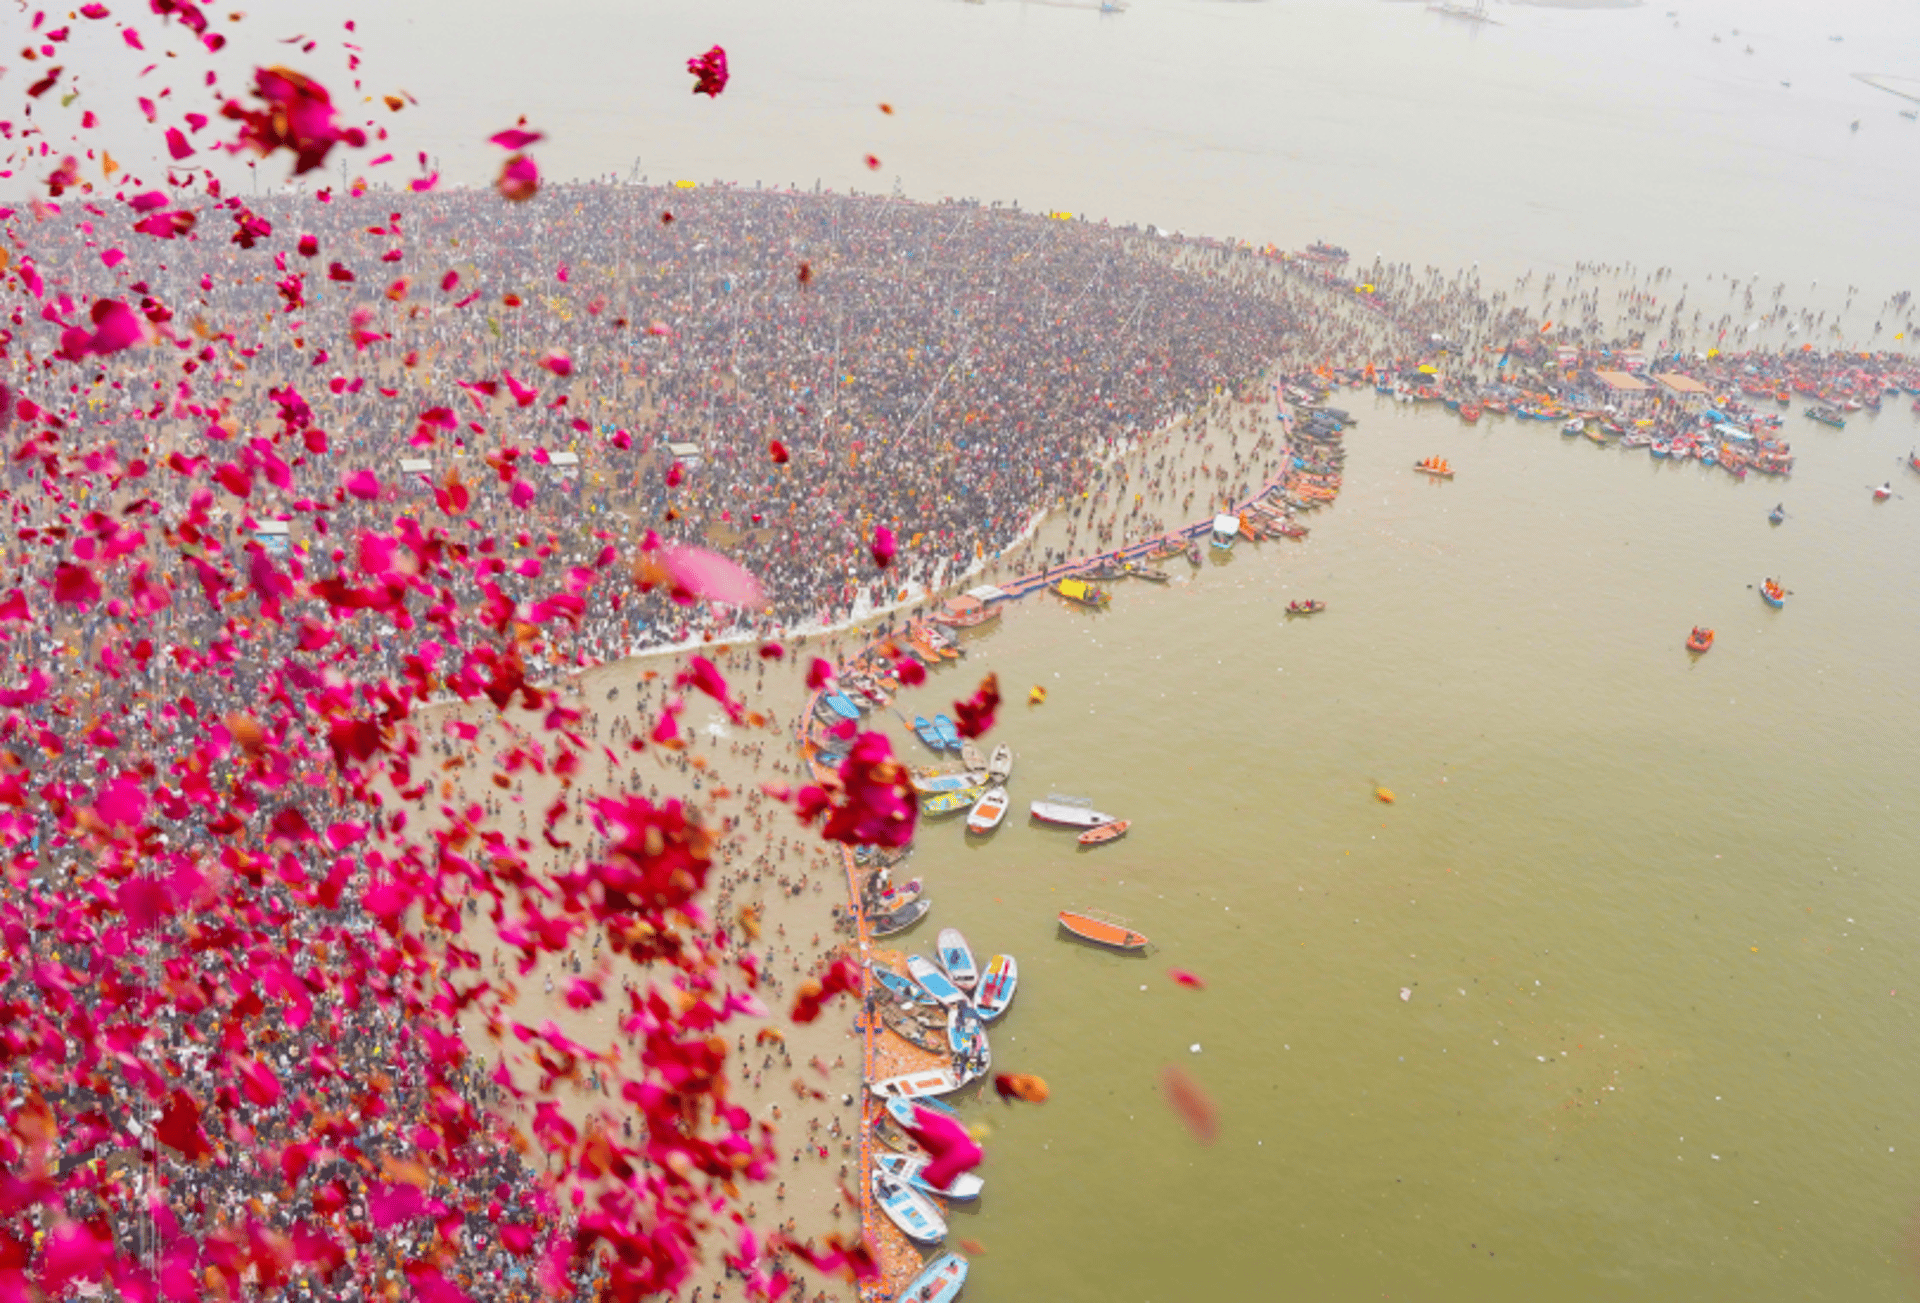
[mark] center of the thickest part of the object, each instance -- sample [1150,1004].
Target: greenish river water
[1656,913]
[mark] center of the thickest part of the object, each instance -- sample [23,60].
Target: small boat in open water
[1436,467]
[935,979]
[988,811]
[1308,607]
[1777,515]
[1069,811]
[1102,931]
[941,1282]
[966,1187]
[1106,832]
[997,985]
[1700,640]
[917,1216]
[1772,594]
[957,958]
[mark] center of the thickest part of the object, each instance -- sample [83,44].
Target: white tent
[1226,526]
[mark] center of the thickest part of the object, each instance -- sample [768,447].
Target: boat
[1079,590]
[1576,426]
[904,1109]
[885,925]
[1193,554]
[1106,832]
[997,984]
[935,979]
[1225,529]
[1102,931]
[1772,594]
[1700,640]
[1137,571]
[1913,458]
[964,612]
[966,1187]
[927,781]
[941,1281]
[970,756]
[1884,492]
[1000,763]
[841,706]
[1827,416]
[1308,607]
[914,1213]
[957,959]
[1777,515]
[904,1021]
[1469,412]
[928,733]
[908,1085]
[899,985]
[989,810]
[953,802]
[1436,467]
[949,735]
[965,1031]
[1070,811]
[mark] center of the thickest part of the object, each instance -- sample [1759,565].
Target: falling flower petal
[1186,979]
[709,71]
[1191,1103]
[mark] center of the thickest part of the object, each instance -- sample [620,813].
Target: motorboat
[913,1212]
[997,984]
[1102,930]
[909,1085]
[989,810]
[943,1278]
[1000,763]
[957,958]
[1226,528]
[934,978]
[899,920]
[966,1187]
[1068,811]
[1106,832]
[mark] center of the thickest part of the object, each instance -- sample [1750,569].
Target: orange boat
[1435,466]
[1106,832]
[1700,640]
[1102,931]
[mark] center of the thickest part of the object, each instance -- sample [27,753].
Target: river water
[1654,914]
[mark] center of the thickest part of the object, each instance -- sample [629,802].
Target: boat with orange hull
[1106,832]
[1700,640]
[1469,412]
[1102,931]
[1436,467]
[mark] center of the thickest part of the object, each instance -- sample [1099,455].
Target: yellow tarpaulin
[1074,588]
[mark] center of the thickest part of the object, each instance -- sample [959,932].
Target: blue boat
[842,707]
[900,986]
[941,1282]
[902,1108]
[1776,601]
[934,978]
[928,733]
[997,985]
[949,735]
[1777,515]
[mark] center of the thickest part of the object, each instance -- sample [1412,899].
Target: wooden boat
[1101,931]
[1193,554]
[957,958]
[1469,412]
[899,985]
[988,811]
[935,979]
[1148,573]
[1700,640]
[1079,590]
[949,735]
[914,1213]
[838,703]
[939,803]
[903,1109]
[997,985]
[1773,594]
[1308,607]
[901,1022]
[928,781]
[966,1187]
[1435,467]
[940,1282]
[927,1081]
[964,612]
[1000,763]
[1106,832]
[900,919]
[1827,416]
[886,902]
[928,733]
[970,756]
[1068,811]
[1777,515]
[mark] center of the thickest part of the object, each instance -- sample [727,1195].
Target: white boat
[1000,764]
[996,988]
[957,958]
[1070,811]
[966,1187]
[934,978]
[989,810]
[946,1275]
[914,1213]
[902,1109]
[965,1032]
[970,756]
[928,1081]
